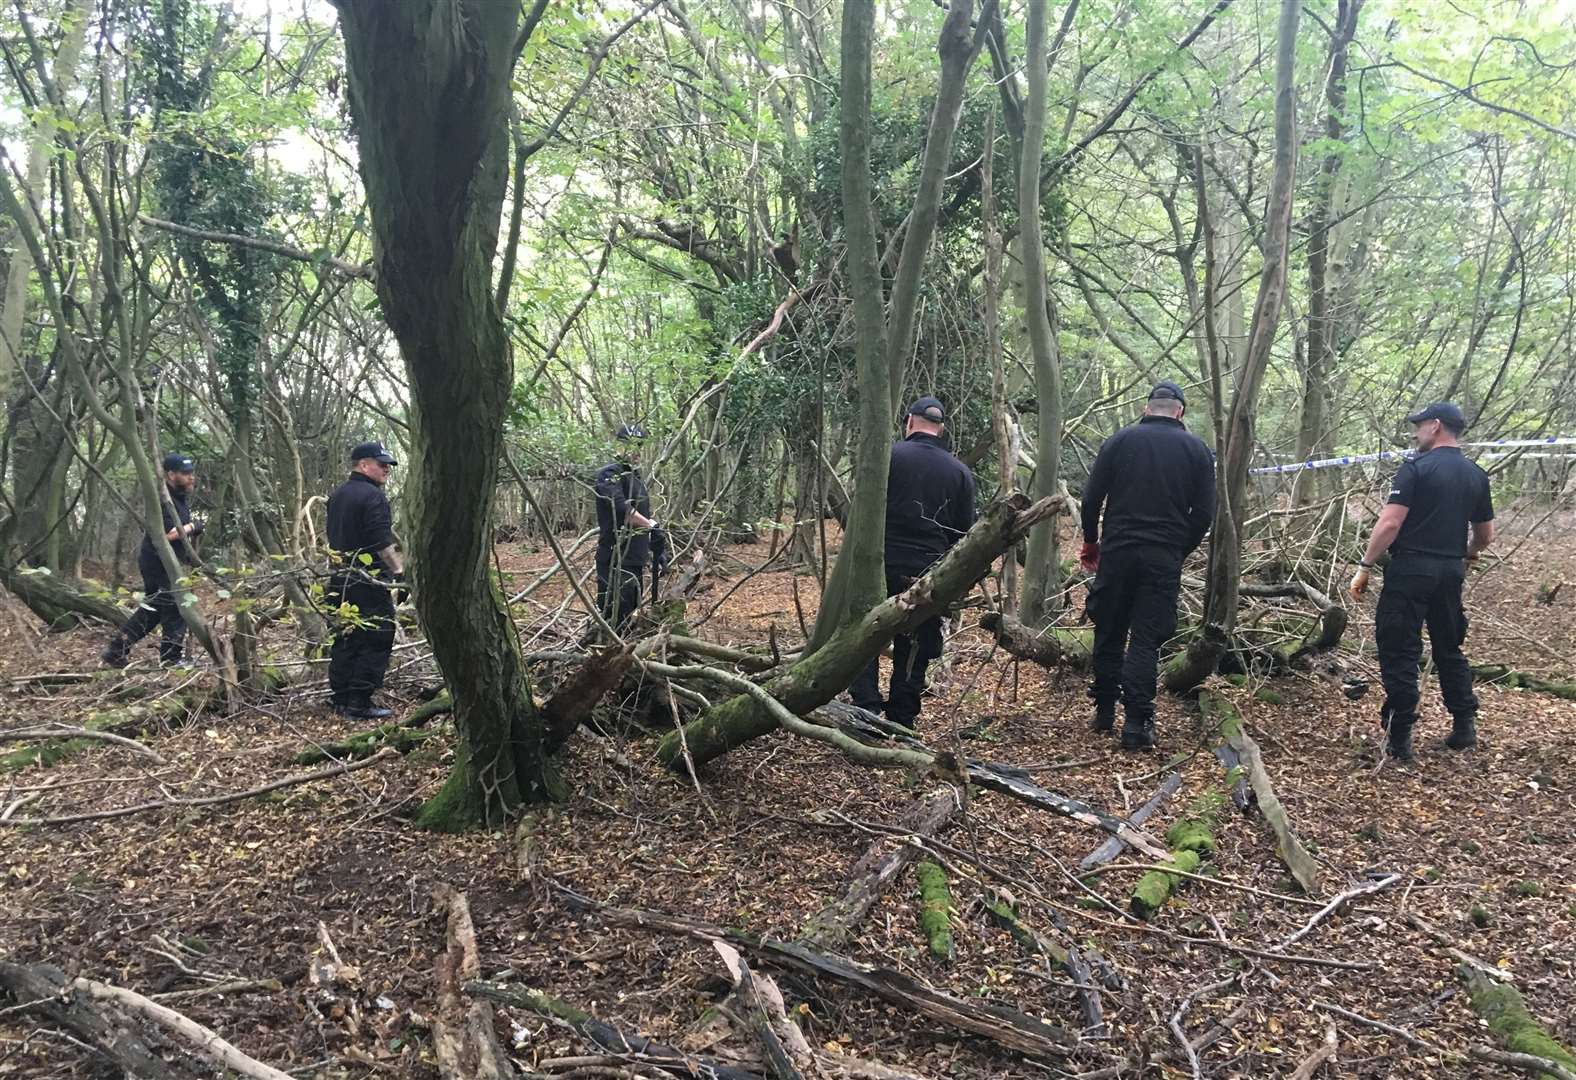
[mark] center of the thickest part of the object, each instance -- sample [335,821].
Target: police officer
[627,534]
[366,568]
[930,505]
[1156,483]
[158,606]
[1435,499]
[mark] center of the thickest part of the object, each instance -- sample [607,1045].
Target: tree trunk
[1314,428]
[858,578]
[429,90]
[1000,420]
[1225,555]
[1041,572]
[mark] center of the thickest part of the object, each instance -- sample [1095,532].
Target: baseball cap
[1440,410]
[629,433]
[928,408]
[1167,389]
[177,462]
[372,450]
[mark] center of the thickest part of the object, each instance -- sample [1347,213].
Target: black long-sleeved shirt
[930,503]
[1156,482]
[360,522]
[176,512]
[620,489]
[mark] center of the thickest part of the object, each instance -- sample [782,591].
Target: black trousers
[617,587]
[157,609]
[1419,592]
[359,657]
[1133,603]
[911,655]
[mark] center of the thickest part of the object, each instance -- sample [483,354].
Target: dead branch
[62,731]
[1313,1061]
[1340,903]
[1532,1063]
[1113,847]
[211,800]
[463,1038]
[45,990]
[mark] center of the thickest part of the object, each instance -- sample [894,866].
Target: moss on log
[1052,647]
[1156,886]
[1504,675]
[935,908]
[1502,1008]
[1192,839]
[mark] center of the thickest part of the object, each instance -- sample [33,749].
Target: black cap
[372,450]
[177,462]
[1167,389]
[629,433]
[1443,411]
[928,408]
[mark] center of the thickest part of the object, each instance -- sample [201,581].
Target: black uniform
[158,607]
[930,505]
[622,550]
[360,524]
[1443,493]
[1156,482]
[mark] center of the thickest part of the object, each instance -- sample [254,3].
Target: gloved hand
[1089,556]
[197,526]
[401,589]
[1359,583]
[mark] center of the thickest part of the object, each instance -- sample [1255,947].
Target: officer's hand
[1359,583]
[401,589]
[1089,557]
[195,527]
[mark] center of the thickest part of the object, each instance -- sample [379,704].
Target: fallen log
[1113,846]
[1007,1027]
[1068,958]
[935,909]
[1503,675]
[1304,869]
[1503,1009]
[463,1038]
[573,700]
[816,679]
[1192,838]
[882,863]
[45,990]
[61,602]
[607,1036]
[1053,647]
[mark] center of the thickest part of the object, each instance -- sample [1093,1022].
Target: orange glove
[1359,583]
[1089,556]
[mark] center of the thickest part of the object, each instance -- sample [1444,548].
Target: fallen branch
[1503,1009]
[61,731]
[1313,1061]
[1069,959]
[1332,616]
[210,800]
[816,679]
[1113,847]
[1006,1027]
[1532,1063]
[1379,1025]
[882,863]
[1304,869]
[45,990]
[1340,903]
[1053,647]
[606,1035]
[1502,675]
[463,1038]
[205,1041]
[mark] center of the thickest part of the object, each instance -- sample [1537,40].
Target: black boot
[1104,720]
[1463,733]
[1138,733]
[116,654]
[1399,743]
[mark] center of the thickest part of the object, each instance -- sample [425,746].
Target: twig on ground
[62,731]
[1389,1029]
[1340,902]
[1538,1066]
[1313,1061]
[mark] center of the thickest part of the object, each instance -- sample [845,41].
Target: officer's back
[1157,482]
[930,493]
[1444,492]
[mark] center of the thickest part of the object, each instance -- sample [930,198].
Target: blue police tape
[1390,455]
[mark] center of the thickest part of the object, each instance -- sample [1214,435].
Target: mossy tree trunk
[429,90]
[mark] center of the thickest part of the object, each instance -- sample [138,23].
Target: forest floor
[171,901]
